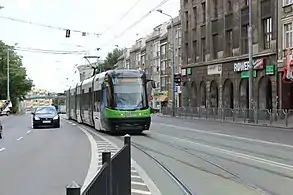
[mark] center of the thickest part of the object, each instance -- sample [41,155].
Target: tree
[112,59]
[20,84]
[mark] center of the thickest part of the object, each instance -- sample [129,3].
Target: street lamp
[172,49]
[124,55]
[251,66]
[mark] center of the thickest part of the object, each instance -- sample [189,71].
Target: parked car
[45,116]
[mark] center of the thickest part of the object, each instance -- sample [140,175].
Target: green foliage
[112,59]
[20,84]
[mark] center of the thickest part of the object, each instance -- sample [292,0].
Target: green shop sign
[270,69]
[245,74]
[189,71]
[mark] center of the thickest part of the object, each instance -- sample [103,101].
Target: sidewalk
[261,123]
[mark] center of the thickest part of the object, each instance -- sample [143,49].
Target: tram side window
[90,101]
[78,101]
[110,100]
[97,101]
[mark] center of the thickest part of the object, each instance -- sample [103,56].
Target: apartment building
[135,54]
[124,60]
[85,72]
[285,41]
[153,61]
[177,60]
[215,53]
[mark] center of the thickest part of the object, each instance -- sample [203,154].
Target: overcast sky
[49,71]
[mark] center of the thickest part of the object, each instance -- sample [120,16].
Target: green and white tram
[115,100]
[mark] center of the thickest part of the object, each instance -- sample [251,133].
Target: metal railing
[114,177]
[266,117]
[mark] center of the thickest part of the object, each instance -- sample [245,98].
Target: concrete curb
[238,123]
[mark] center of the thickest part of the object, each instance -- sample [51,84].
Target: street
[214,158]
[41,161]
[207,157]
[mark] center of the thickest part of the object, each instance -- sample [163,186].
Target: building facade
[124,60]
[85,72]
[31,104]
[153,62]
[177,60]
[215,53]
[285,41]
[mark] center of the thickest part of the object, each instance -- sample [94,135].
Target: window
[215,8]
[195,17]
[215,45]
[244,38]
[186,21]
[203,49]
[163,82]
[267,32]
[287,2]
[187,52]
[203,8]
[288,35]
[229,42]
[229,6]
[194,45]
[245,2]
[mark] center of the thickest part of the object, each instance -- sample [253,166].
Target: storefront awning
[162,98]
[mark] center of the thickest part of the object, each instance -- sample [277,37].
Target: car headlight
[56,117]
[37,118]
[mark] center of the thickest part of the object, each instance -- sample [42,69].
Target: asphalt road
[216,159]
[41,161]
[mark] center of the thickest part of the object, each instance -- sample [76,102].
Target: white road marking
[20,138]
[229,136]
[138,183]
[133,171]
[73,124]
[144,176]
[28,131]
[135,176]
[1,149]
[140,192]
[232,153]
[93,163]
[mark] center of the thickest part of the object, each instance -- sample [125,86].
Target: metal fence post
[127,142]
[73,189]
[106,158]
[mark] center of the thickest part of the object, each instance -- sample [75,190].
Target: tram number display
[127,80]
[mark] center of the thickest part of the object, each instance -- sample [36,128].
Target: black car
[45,116]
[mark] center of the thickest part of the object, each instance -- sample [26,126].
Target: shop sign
[244,66]
[288,68]
[270,69]
[214,69]
[245,74]
[183,72]
[189,71]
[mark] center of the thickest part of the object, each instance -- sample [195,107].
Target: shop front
[264,84]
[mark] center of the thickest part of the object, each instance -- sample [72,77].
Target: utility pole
[251,66]
[172,48]
[8,76]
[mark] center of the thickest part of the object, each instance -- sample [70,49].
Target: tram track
[233,175]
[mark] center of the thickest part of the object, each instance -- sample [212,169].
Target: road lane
[43,161]
[215,159]
[261,133]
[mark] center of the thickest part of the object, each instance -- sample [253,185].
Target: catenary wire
[122,17]
[47,26]
[137,22]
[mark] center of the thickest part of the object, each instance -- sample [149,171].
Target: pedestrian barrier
[114,177]
[266,117]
